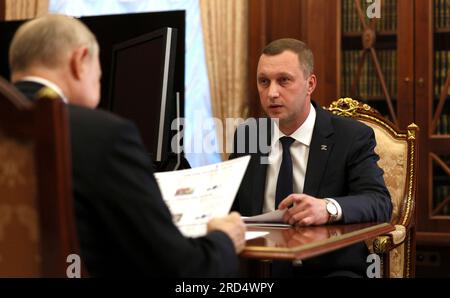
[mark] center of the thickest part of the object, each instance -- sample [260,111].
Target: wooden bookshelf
[416,75]
[369,67]
[442,30]
[433,115]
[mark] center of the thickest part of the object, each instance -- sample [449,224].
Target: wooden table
[299,243]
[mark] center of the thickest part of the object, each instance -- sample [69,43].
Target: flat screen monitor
[111,31]
[142,86]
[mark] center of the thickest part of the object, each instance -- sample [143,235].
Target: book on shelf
[445,194]
[441,14]
[352,24]
[441,186]
[443,125]
[369,85]
[441,72]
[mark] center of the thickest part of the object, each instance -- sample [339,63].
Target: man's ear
[77,62]
[312,83]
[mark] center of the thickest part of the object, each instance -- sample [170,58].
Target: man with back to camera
[321,168]
[124,226]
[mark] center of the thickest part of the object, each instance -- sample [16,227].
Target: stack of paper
[269,219]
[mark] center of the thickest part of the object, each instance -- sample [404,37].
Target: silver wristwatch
[332,211]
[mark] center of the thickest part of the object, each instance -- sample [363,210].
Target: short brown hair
[304,53]
[47,40]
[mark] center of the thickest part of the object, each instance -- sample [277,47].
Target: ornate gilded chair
[37,227]
[398,158]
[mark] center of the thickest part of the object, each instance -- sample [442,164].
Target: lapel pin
[323,147]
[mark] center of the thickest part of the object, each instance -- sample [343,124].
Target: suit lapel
[259,166]
[319,151]
[258,188]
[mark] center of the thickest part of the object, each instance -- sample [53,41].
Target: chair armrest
[388,241]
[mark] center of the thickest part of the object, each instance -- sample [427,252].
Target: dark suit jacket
[346,171]
[124,226]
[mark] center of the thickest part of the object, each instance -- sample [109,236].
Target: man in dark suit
[321,168]
[124,226]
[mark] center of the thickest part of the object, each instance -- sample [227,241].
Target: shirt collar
[303,134]
[48,84]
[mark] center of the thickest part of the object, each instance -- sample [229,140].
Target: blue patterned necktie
[285,180]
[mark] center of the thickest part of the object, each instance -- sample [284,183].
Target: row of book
[443,125]
[351,21]
[441,71]
[441,14]
[440,193]
[369,86]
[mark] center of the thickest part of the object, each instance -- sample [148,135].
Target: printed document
[194,196]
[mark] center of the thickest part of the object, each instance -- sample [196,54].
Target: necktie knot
[286,142]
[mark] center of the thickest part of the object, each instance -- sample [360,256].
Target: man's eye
[263,82]
[284,80]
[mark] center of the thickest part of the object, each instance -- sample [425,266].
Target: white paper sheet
[274,217]
[194,196]
[270,219]
[253,235]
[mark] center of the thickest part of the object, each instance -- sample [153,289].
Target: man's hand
[306,210]
[233,226]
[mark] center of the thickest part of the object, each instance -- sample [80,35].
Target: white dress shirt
[299,153]
[48,84]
